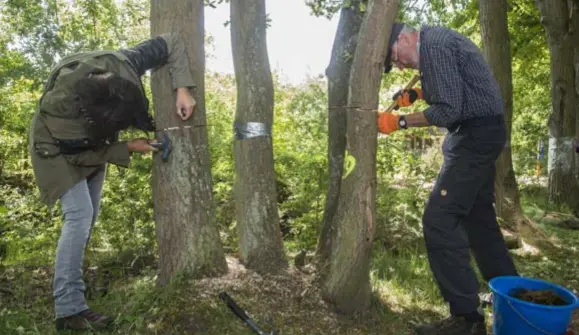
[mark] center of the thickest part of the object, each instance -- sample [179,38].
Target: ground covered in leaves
[404,292]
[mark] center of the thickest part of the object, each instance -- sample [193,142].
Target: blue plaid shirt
[457,82]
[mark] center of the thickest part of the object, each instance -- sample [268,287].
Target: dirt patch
[290,303]
[575,322]
[273,301]
[541,297]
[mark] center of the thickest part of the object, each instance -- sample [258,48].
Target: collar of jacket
[57,100]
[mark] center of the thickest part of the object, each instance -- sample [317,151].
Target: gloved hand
[405,98]
[387,122]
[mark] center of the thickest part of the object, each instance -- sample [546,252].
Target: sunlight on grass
[404,281]
[405,292]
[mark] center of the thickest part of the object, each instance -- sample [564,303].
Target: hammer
[164,146]
[241,314]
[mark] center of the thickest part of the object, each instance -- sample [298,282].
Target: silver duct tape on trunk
[243,131]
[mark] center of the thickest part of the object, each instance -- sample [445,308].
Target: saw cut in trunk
[347,282]
[338,74]
[187,233]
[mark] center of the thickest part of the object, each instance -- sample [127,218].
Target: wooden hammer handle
[408,86]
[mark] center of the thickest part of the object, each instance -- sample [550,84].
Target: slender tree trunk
[187,234]
[260,242]
[496,48]
[561,21]
[347,283]
[338,73]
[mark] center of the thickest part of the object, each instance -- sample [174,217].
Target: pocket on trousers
[488,140]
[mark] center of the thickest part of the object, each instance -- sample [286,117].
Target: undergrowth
[404,292]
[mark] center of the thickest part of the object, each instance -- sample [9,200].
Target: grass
[404,292]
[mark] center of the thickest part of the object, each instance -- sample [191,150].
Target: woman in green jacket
[88,99]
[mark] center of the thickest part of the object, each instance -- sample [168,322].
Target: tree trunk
[347,283]
[496,48]
[260,241]
[187,234]
[338,73]
[561,21]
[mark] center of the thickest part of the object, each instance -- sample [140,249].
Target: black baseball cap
[396,29]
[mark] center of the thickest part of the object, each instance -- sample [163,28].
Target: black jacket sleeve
[166,49]
[147,55]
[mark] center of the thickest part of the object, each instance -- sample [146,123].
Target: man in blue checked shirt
[463,97]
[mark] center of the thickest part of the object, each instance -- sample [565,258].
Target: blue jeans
[80,205]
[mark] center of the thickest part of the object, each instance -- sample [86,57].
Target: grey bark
[187,233]
[561,22]
[347,283]
[496,48]
[338,74]
[260,240]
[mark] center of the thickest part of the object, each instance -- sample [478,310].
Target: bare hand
[141,145]
[185,103]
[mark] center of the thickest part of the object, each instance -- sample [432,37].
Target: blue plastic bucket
[513,316]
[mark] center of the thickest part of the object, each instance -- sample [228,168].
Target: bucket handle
[527,321]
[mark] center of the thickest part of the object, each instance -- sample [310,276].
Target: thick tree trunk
[347,283]
[338,73]
[182,187]
[496,48]
[260,241]
[561,21]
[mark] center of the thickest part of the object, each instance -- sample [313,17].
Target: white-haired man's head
[402,48]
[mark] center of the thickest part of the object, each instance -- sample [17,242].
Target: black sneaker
[453,326]
[85,320]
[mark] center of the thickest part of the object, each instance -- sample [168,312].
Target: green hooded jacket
[58,116]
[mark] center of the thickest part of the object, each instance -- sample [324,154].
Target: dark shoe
[85,320]
[453,326]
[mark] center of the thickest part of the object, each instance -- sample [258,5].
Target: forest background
[122,257]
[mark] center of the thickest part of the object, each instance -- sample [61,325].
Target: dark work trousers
[460,214]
